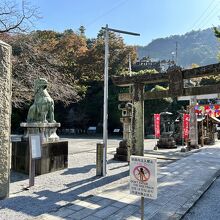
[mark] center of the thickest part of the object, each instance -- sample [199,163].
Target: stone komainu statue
[42,109]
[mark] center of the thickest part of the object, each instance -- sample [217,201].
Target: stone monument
[166,139]
[124,150]
[5,117]
[40,120]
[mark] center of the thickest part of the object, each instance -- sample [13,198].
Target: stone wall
[5,117]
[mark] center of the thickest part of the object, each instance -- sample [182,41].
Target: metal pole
[142,208]
[105,107]
[129,63]
[31,165]
[176,51]
[202,136]
[105,115]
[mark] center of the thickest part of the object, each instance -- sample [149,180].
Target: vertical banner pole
[202,138]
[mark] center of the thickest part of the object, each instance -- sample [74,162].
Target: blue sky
[151,18]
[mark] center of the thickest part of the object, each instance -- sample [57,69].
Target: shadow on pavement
[47,201]
[77,170]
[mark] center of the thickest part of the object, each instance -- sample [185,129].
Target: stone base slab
[54,157]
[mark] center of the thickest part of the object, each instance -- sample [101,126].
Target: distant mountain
[199,47]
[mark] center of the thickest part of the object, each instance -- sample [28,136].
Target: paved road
[78,146]
[54,191]
[207,208]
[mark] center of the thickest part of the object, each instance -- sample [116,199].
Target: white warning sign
[143,177]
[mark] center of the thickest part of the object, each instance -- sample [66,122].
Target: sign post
[35,153]
[143,178]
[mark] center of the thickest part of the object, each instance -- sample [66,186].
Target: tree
[90,72]
[82,30]
[210,80]
[16,19]
[49,55]
[216,32]
[91,65]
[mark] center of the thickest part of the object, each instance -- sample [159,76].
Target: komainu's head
[40,83]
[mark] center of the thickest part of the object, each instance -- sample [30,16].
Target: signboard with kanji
[157,125]
[185,126]
[35,144]
[143,177]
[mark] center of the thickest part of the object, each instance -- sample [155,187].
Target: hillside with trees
[200,47]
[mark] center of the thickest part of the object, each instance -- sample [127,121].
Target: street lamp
[105,108]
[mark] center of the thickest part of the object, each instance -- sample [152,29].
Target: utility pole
[129,63]
[105,107]
[176,51]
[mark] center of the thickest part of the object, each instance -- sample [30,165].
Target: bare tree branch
[17,19]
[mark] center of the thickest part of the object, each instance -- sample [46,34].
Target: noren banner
[157,125]
[185,126]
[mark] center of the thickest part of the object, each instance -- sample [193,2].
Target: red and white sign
[157,125]
[185,126]
[143,177]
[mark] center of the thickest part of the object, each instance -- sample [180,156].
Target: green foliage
[217,32]
[74,67]
[212,79]
[159,88]
[141,72]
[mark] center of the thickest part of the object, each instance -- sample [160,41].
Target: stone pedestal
[122,152]
[54,152]
[54,157]
[46,130]
[166,140]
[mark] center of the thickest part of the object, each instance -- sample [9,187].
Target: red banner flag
[185,126]
[157,125]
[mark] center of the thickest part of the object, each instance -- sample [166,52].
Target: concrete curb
[195,197]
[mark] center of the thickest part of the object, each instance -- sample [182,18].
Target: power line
[203,13]
[203,17]
[213,15]
[206,19]
[120,3]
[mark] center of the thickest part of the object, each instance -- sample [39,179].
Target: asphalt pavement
[208,206]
